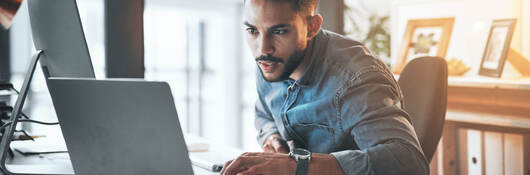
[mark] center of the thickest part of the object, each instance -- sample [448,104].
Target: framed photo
[497,47]
[424,37]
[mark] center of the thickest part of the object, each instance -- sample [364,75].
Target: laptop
[120,126]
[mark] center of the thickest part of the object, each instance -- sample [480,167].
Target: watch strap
[302,166]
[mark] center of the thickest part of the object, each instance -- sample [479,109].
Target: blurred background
[198,47]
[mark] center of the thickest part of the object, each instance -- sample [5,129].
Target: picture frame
[497,47]
[424,37]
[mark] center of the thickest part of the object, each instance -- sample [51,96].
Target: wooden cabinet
[487,128]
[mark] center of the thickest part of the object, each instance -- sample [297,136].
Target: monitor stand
[9,130]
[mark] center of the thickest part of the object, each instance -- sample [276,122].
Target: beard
[290,66]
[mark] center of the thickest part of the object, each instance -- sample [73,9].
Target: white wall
[380,7]
[472,23]
[21,44]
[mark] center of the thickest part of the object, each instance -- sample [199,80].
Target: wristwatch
[302,157]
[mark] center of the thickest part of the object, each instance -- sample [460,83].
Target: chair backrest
[423,82]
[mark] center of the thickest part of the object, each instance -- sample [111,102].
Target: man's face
[277,36]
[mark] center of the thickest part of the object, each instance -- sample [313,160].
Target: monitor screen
[58,32]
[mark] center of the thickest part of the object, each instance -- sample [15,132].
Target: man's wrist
[324,164]
[303,158]
[272,138]
[264,139]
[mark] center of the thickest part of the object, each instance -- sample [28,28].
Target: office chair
[423,82]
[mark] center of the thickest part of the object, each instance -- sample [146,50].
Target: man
[324,94]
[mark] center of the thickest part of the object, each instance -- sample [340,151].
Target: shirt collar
[317,56]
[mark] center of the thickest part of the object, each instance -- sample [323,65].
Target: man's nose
[266,47]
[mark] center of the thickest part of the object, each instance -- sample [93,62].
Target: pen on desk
[22,137]
[26,137]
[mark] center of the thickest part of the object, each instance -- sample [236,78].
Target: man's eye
[279,32]
[252,31]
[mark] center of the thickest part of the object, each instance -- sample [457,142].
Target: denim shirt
[347,104]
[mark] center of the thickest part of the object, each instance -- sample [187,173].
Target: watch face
[302,152]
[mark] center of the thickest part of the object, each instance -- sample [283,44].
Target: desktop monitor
[61,47]
[58,32]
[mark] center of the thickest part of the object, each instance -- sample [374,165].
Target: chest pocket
[310,125]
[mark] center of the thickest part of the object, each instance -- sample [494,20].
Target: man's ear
[314,24]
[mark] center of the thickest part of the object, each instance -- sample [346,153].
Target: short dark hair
[305,6]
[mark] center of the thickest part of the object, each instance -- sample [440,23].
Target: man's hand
[275,144]
[279,163]
[260,163]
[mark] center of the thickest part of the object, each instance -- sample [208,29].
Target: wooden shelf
[488,119]
[522,83]
[498,98]
[493,96]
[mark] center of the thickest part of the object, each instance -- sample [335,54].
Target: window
[200,53]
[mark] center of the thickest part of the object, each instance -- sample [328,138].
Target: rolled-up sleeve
[369,107]
[264,122]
